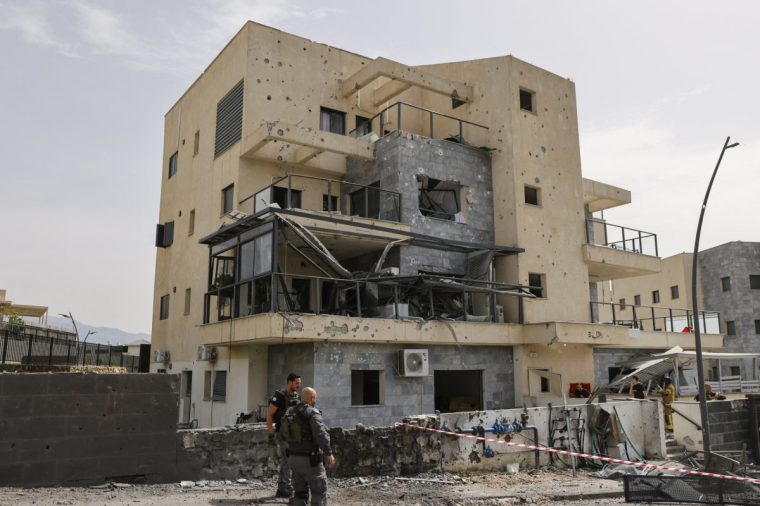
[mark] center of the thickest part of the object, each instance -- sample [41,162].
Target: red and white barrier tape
[601,458]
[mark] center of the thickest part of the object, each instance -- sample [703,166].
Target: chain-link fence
[690,489]
[20,347]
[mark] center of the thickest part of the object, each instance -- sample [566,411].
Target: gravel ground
[532,487]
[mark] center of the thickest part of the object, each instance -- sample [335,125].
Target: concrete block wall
[328,366]
[79,429]
[729,425]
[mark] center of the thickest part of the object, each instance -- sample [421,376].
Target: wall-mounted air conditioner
[161,356]
[207,353]
[413,363]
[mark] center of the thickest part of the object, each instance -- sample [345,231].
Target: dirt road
[540,487]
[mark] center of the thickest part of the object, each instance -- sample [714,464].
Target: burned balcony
[654,318]
[326,195]
[425,122]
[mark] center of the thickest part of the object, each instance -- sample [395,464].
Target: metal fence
[20,347]
[689,489]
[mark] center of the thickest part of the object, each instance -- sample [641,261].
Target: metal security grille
[689,489]
[229,119]
[220,386]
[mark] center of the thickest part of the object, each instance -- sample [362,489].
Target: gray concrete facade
[740,304]
[331,364]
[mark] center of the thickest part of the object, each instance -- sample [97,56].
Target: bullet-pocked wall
[336,370]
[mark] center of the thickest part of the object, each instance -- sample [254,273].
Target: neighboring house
[39,328]
[405,238]
[728,284]
[133,348]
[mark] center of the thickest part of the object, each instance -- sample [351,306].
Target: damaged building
[406,238]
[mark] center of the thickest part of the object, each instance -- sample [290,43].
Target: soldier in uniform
[306,458]
[278,404]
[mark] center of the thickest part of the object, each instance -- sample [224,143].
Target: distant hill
[102,335]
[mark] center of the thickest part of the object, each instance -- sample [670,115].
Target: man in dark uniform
[306,457]
[278,404]
[637,390]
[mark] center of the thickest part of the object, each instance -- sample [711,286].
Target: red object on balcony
[580,390]
[686,330]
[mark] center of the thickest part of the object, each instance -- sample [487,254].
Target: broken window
[331,120]
[730,327]
[527,98]
[280,197]
[674,292]
[536,283]
[366,201]
[655,297]
[458,390]
[367,388]
[532,195]
[439,199]
[725,283]
[754,281]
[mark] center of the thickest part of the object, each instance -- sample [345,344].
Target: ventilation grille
[229,119]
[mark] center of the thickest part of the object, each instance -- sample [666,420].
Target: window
[754,281]
[301,295]
[655,297]
[730,328]
[163,310]
[173,164]
[330,203]
[367,388]
[637,300]
[280,197]
[227,199]
[757,326]
[735,370]
[543,381]
[191,223]
[439,199]
[331,120]
[674,292]
[207,386]
[164,234]
[725,283]
[220,386]
[532,195]
[366,201]
[536,282]
[196,142]
[363,126]
[187,301]
[526,100]
[229,120]
[622,303]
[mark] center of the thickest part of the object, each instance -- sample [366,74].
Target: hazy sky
[84,87]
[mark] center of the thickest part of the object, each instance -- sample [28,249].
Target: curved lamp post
[697,335]
[70,317]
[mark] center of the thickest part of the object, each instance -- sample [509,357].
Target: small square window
[173,164]
[730,328]
[219,393]
[207,386]
[754,281]
[227,199]
[527,99]
[532,195]
[674,292]
[191,223]
[330,203]
[637,300]
[333,121]
[196,142]
[655,297]
[363,126]
[537,284]
[163,310]
[757,326]
[367,388]
[622,303]
[187,301]
[725,283]
[735,370]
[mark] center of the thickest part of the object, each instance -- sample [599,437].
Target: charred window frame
[439,199]
[331,120]
[240,276]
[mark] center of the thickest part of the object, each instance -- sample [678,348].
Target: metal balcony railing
[652,318]
[425,122]
[601,233]
[296,191]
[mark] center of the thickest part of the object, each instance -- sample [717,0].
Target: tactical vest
[296,425]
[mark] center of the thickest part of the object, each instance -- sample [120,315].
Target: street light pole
[70,317]
[695,316]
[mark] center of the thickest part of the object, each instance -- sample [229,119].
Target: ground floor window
[458,390]
[367,387]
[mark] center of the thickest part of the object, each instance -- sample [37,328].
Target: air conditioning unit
[161,356]
[499,314]
[413,363]
[207,353]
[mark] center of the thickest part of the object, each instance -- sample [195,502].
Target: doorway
[458,390]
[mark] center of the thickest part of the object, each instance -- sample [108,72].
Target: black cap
[292,377]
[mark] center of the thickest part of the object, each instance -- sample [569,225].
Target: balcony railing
[652,318]
[296,191]
[431,124]
[601,233]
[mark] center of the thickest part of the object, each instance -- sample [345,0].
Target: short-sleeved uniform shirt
[638,391]
[280,401]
